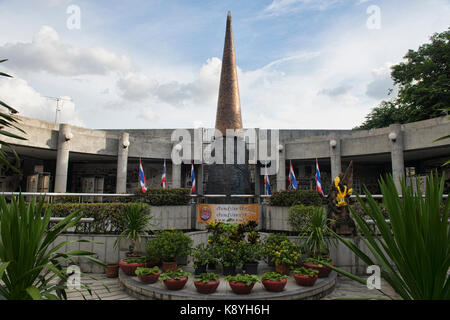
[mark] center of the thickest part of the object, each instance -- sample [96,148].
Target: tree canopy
[423,81]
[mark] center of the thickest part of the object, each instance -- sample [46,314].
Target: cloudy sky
[156,63]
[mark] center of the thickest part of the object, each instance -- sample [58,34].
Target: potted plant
[202,256]
[207,282]
[285,256]
[112,270]
[271,243]
[314,263]
[152,253]
[135,221]
[148,275]
[242,283]
[169,245]
[174,279]
[249,254]
[305,277]
[228,252]
[317,234]
[129,265]
[273,281]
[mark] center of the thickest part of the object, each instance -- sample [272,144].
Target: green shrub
[108,217]
[207,277]
[300,216]
[168,245]
[165,197]
[302,271]
[248,279]
[145,271]
[289,198]
[273,276]
[174,275]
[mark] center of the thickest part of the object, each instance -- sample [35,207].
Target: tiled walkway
[345,288]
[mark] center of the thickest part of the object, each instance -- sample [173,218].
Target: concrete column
[62,157]
[122,163]
[199,178]
[258,179]
[281,174]
[176,175]
[335,156]
[398,166]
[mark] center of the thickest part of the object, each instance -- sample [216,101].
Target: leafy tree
[7,120]
[424,85]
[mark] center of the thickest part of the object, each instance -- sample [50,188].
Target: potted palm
[207,282]
[174,279]
[273,281]
[242,283]
[148,275]
[317,235]
[316,263]
[135,222]
[305,277]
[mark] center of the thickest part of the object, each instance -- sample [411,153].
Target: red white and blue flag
[193,184]
[142,178]
[292,179]
[163,177]
[267,183]
[318,181]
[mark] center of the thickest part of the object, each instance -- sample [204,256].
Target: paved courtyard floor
[345,289]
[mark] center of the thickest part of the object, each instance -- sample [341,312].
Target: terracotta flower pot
[206,287]
[149,278]
[169,265]
[323,271]
[175,284]
[112,270]
[130,268]
[282,269]
[305,281]
[274,286]
[241,288]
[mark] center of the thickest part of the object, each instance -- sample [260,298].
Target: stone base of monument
[292,291]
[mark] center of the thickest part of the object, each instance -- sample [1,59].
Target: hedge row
[107,216]
[288,198]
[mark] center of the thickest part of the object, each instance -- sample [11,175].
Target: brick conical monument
[225,178]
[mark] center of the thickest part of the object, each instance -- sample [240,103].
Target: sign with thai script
[231,213]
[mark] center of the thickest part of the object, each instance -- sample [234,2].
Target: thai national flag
[142,178]
[193,185]
[318,181]
[292,177]
[163,177]
[267,183]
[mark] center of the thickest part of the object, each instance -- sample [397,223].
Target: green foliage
[289,198]
[317,235]
[140,271]
[202,255]
[306,272]
[207,277]
[274,276]
[227,252]
[164,197]
[30,263]
[287,253]
[271,244]
[135,260]
[250,252]
[174,275]
[299,217]
[414,251]
[168,245]
[319,260]
[8,120]
[135,222]
[108,217]
[248,279]
[424,85]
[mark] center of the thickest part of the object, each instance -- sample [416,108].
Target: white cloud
[279,7]
[30,103]
[46,52]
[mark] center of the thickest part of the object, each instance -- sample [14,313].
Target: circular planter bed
[175,284]
[241,288]
[305,281]
[149,278]
[323,270]
[130,267]
[274,286]
[206,287]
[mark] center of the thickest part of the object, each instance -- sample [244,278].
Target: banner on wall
[232,213]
